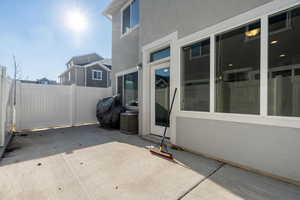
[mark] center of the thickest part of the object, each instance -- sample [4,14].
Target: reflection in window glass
[237,69]
[131,89]
[164,53]
[200,49]
[284,64]
[195,77]
[135,8]
[126,20]
[162,96]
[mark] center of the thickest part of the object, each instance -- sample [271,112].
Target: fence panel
[6,106]
[42,106]
[86,101]
[46,106]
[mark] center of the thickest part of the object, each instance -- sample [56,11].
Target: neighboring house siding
[80,76]
[66,79]
[96,83]
[125,50]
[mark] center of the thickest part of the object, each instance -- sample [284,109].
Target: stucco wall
[271,149]
[125,50]
[160,18]
[268,148]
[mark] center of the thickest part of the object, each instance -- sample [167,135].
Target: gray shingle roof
[85,59]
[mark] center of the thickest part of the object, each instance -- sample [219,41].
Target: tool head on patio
[162,153]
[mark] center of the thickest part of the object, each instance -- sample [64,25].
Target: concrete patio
[92,163]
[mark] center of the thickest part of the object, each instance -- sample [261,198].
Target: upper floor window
[130,16]
[97,75]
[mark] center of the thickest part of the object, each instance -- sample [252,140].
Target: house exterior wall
[81,73]
[65,76]
[160,18]
[96,83]
[125,50]
[80,77]
[268,148]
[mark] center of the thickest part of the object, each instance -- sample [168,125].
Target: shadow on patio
[92,163]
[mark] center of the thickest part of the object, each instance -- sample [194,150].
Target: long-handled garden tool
[163,148]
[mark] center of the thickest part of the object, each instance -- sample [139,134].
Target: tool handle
[169,115]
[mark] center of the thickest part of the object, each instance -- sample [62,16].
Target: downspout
[85,76]
[107,78]
[76,75]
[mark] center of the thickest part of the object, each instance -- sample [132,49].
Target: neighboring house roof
[101,64]
[85,59]
[112,7]
[105,64]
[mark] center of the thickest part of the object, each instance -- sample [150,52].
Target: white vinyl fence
[46,106]
[6,106]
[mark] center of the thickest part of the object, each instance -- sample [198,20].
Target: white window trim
[123,73]
[97,79]
[261,13]
[131,29]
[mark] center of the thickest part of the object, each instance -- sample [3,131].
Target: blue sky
[35,32]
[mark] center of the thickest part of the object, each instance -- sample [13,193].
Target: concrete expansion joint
[201,181]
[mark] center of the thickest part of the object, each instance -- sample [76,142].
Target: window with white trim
[127,88]
[195,76]
[284,64]
[236,89]
[97,75]
[130,16]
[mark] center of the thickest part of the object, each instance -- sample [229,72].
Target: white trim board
[169,40]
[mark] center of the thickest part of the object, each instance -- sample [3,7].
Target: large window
[238,70]
[195,77]
[127,88]
[130,16]
[284,64]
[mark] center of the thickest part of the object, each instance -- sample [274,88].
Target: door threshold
[155,138]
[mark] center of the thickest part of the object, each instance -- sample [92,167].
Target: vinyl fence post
[2,106]
[73,105]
